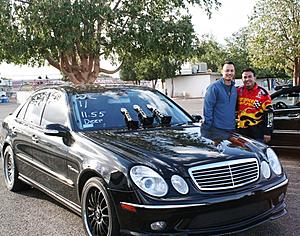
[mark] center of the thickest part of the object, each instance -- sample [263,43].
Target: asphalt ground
[32,213]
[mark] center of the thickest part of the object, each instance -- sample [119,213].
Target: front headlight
[149,181]
[179,184]
[273,161]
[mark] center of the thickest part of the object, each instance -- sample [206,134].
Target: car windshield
[290,99]
[112,109]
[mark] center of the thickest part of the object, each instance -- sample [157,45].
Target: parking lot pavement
[7,108]
[194,105]
[33,213]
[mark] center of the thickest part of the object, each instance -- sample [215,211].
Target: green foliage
[237,51]
[74,35]
[160,67]
[274,35]
[211,52]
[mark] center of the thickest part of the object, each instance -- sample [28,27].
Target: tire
[97,209]
[10,172]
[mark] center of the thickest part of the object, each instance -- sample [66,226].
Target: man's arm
[209,105]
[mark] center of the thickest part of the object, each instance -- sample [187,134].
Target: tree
[211,52]
[274,36]
[74,36]
[151,69]
[237,51]
[215,54]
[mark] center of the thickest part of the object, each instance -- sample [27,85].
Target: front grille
[225,175]
[229,215]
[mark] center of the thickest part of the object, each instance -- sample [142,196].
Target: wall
[189,86]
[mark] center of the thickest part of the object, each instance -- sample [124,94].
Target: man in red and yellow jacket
[255,113]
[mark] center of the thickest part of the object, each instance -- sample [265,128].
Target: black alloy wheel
[98,212]
[10,172]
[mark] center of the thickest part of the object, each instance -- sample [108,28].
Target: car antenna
[131,124]
[164,120]
[144,119]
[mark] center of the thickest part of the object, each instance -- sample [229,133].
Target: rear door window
[35,108]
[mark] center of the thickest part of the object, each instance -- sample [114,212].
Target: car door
[287,120]
[23,128]
[50,152]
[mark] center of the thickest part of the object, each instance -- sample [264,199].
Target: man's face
[228,72]
[248,79]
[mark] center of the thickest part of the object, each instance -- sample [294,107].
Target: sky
[231,16]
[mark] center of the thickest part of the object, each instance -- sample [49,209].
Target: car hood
[183,146]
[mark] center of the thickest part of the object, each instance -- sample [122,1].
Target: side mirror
[278,87]
[56,130]
[197,118]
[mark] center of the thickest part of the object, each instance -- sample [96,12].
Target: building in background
[191,82]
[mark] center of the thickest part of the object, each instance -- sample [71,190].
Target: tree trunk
[296,74]
[154,82]
[80,69]
[172,88]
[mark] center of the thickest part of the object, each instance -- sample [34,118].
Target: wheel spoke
[104,209]
[99,198]
[103,228]
[91,214]
[95,197]
[96,228]
[9,168]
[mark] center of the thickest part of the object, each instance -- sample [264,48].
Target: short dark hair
[249,69]
[228,62]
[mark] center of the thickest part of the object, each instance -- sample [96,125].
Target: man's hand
[267,138]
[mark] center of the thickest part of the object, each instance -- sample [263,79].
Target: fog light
[265,170]
[158,226]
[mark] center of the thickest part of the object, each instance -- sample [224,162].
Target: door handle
[296,115]
[14,131]
[35,139]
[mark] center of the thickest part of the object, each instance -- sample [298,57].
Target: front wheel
[11,173]
[97,209]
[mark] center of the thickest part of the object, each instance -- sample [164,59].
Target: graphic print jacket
[255,111]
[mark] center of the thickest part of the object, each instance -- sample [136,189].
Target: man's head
[228,71]
[248,77]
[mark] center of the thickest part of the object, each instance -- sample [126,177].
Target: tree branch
[101,70]
[52,62]
[116,6]
[91,63]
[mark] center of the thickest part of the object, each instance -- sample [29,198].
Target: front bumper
[222,214]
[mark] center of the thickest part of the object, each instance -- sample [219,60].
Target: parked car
[4,99]
[286,105]
[131,161]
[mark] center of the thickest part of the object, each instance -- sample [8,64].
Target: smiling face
[228,73]
[248,79]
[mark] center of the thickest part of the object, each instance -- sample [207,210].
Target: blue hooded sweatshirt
[219,105]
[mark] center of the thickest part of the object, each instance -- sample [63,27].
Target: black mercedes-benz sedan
[133,162]
[286,105]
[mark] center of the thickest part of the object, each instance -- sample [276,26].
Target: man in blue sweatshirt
[220,101]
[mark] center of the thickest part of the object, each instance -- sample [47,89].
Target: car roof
[286,90]
[85,88]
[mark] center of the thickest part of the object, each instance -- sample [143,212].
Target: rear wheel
[98,213]
[10,172]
